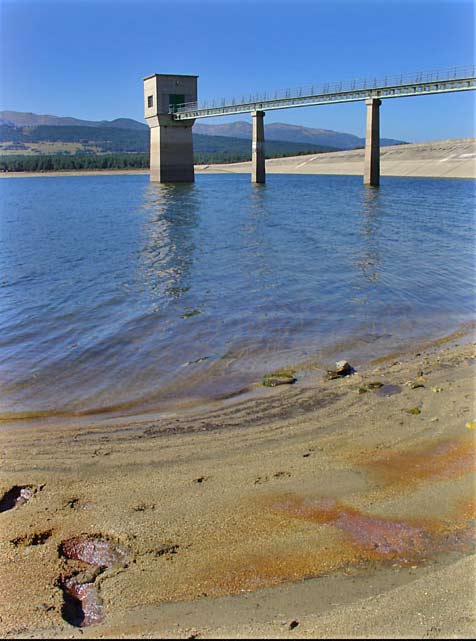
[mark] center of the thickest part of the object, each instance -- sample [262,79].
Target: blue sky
[87,59]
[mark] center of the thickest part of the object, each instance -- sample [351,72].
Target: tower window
[150,101]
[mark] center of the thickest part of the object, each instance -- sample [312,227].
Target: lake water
[123,296]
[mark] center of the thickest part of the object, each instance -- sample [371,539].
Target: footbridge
[171,108]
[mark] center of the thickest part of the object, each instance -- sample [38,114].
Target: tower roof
[170,75]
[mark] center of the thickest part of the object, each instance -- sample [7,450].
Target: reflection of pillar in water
[370,262]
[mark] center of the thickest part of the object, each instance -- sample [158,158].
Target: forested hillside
[49,147]
[115,139]
[234,129]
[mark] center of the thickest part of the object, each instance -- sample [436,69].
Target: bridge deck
[443,81]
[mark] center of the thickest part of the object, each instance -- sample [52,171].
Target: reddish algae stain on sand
[443,461]
[372,536]
[362,538]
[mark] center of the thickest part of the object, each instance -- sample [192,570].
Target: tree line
[89,162]
[78,162]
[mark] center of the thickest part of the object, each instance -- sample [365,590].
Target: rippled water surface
[118,295]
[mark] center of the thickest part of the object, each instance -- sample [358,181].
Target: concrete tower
[171,145]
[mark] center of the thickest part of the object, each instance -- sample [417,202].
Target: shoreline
[59,174]
[307,372]
[439,159]
[340,509]
[207,169]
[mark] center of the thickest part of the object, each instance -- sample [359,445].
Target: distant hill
[27,119]
[294,133]
[64,140]
[236,129]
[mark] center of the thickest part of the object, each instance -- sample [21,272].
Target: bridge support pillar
[372,143]
[258,172]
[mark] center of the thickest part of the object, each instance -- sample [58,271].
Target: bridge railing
[324,88]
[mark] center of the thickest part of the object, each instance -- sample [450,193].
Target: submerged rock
[190,313]
[272,381]
[414,384]
[388,389]
[343,368]
[280,377]
[414,410]
[372,385]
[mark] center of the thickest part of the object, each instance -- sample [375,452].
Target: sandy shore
[440,159]
[52,174]
[320,509]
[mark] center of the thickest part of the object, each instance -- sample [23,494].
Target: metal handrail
[331,88]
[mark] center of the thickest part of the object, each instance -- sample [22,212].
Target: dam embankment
[440,159]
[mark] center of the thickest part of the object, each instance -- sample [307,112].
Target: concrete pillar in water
[171,143]
[372,143]
[258,172]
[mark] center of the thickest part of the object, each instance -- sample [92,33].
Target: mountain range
[294,133]
[241,129]
[28,119]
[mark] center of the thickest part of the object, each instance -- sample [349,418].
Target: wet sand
[327,508]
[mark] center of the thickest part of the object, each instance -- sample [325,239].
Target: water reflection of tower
[166,253]
[370,261]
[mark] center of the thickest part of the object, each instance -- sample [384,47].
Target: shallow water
[118,295]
